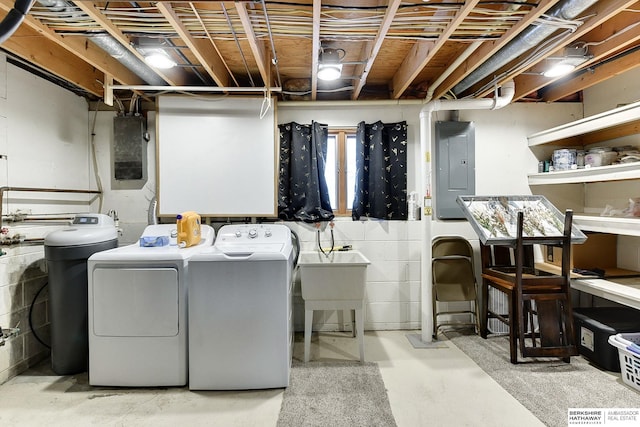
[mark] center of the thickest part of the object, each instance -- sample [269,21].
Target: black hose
[319,245]
[31,315]
[333,243]
[14,18]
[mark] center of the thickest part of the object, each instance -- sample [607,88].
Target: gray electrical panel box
[129,153]
[455,167]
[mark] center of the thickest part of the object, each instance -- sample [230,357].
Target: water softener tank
[66,252]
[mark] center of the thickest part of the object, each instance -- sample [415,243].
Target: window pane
[351,169]
[330,171]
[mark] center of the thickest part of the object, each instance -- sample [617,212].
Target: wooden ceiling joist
[257,46]
[203,50]
[422,52]
[371,49]
[488,49]
[173,76]
[597,14]
[31,46]
[592,77]
[315,47]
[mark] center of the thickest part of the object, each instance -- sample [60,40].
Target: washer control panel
[254,233]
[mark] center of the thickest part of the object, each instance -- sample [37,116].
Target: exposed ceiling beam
[371,49]
[33,48]
[203,50]
[603,42]
[78,46]
[591,77]
[597,14]
[315,48]
[173,76]
[422,52]
[257,47]
[488,49]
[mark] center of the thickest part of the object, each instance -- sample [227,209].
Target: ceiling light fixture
[573,57]
[158,58]
[329,66]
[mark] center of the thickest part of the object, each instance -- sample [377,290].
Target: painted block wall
[392,292]
[392,295]
[43,144]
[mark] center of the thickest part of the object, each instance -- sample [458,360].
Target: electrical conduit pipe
[505,97]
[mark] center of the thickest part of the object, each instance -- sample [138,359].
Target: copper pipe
[40,190]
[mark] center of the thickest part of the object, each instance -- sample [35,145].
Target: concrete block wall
[23,275]
[392,291]
[43,144]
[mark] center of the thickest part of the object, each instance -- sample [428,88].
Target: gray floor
[426,387]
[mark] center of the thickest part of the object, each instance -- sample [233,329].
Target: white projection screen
[216,156]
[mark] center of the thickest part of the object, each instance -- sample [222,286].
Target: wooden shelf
[616,123]
[618,172]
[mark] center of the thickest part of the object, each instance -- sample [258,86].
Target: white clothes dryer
[240,310]
[138,311]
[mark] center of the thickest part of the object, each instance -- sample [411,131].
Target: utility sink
[340,275]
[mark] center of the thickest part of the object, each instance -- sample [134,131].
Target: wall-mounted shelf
[616,123]
[628,226]
[618,172]
[622,121]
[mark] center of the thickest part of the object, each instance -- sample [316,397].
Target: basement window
[340,170]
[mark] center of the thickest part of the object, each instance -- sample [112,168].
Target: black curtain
[381,171]
[302,188]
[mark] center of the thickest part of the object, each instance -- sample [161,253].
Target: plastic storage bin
[594,325]
[629,357]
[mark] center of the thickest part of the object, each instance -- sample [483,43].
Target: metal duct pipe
[110,45]
[532,36]
[14,18]
[126,58]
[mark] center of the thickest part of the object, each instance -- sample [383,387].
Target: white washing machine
[137,311]
[240,310]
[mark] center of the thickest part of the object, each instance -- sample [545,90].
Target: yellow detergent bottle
[188,227]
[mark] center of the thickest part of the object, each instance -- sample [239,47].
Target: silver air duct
[110,45]
[532,36]
[126,58]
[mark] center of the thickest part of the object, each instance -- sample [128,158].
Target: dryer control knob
[238,233]
[253,233]
[267,233]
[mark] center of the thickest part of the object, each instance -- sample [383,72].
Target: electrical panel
[455,166]
[129,152]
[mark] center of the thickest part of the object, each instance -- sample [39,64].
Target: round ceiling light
[159,59]
[329,71]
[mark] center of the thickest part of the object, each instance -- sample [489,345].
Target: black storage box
[593,327]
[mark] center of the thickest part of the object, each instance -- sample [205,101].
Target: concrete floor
[426,387]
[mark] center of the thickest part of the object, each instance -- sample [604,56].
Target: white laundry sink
[339,276]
